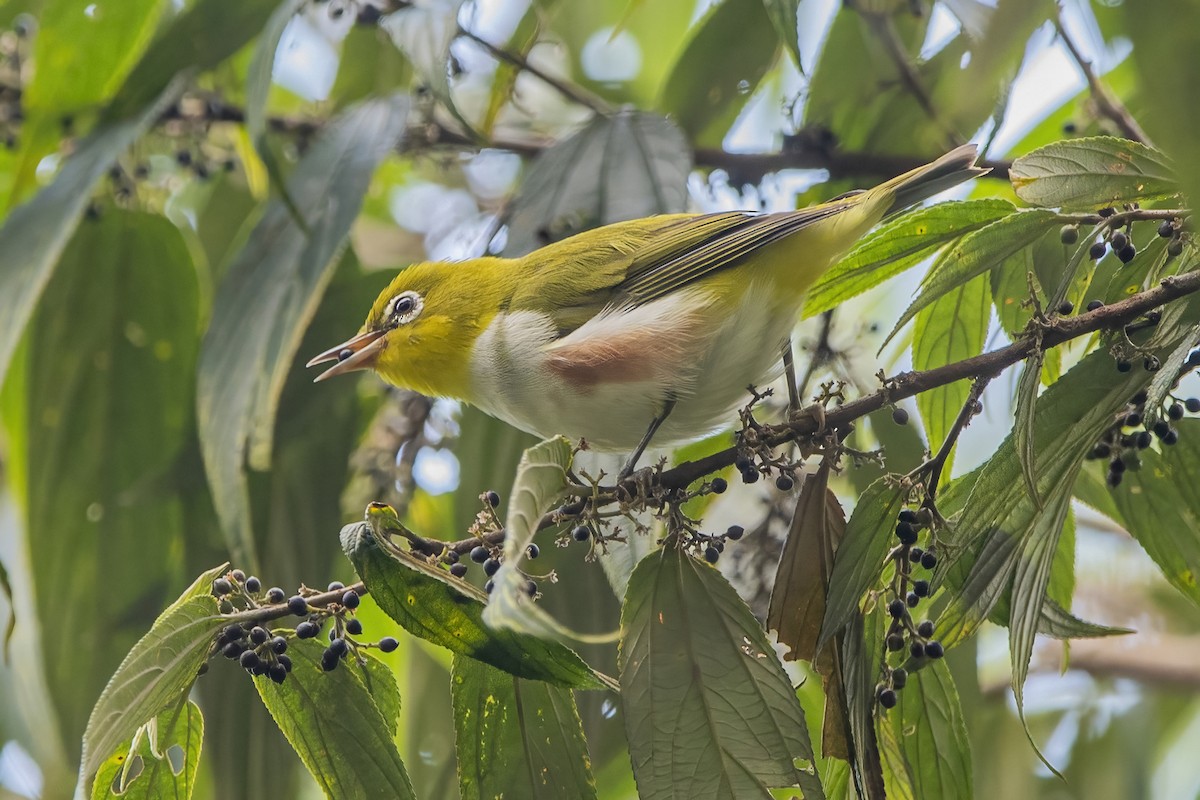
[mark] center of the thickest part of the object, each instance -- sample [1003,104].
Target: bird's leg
[789,369]
[655,424]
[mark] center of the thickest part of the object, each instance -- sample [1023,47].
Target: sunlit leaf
[1093,172]
[731,50]
[898,246]
[976,253]
[430,604]
[951,329]
[335,725]
[161,764]
[783,14]
[269,295]
[617,168]
[517,737]
[695,662]
[157,671]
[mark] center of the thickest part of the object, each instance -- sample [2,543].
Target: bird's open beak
[353,354]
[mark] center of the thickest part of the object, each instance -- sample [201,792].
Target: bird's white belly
[511,379]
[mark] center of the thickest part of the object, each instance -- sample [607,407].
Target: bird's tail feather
[920,184]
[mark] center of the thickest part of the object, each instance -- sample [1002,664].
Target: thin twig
[570,91]
[821,353]
[938,462]
[1106,101]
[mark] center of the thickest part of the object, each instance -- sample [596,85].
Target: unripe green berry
[1069,234]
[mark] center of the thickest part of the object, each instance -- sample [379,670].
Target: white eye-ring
[404,307]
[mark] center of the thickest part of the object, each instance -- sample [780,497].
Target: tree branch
[1106,101]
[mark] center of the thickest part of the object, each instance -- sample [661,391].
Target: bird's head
[419,332]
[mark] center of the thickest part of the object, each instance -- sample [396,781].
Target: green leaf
[424,32]
[952,329]
[430,604]
[1164,57]
[517,737]
[1167,376]
[899,245]
[541,479]
[35,234]
[157,672]
[859,560]
[268,297]
[730,51]
[262,67]
[98,409]
[784,16]
[708,708]
[1031,579]
[929,724]
[1157,505]
[333,722]
[1023,422]
[1093,172]
[200,37]
[859,667]
[83,55]
[159,762]
[976,253]
[617,168]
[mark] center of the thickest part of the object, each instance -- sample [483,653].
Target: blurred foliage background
[158,300]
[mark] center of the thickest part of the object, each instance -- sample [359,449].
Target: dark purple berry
[1066,307]
[253,585]
[1123,365]
[329,660]
[916,650]
[899,416]
[895,642]
[581,534]
[896,609]
[221,587]
[307,630]
[1167,229]
[480,554]
[929,561]
[1107,211]
[489,586]
[887,698]
[336,586]
[719,485]
[1119,240]
[298,605]
[277,673]
[275,595]
[912,599]
[711,554]
[458,570]
[354,626]
[388,643]
[934,650]
[1095,305]
[921,588]
[1175,411]
[259,635]
[735,532]
[351,599]
[1192,404]
[784,483]
[249,659]
[899,678]
[532,551]
[1171,437]
[279,644]
[285,662]
[493,499]
[1097,250]
[906,533]
[915,554]
[491,567]
[925,629]
[1127,253]
[1069,234]
[338,646]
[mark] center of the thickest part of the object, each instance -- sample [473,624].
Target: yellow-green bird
[651,327]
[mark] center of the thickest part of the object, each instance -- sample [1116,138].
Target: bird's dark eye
[403,306]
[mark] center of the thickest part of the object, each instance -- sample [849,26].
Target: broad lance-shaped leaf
[976,253]
[159,762]
[516,737]
[708,709]
[729,52]
[617,168]
[36,233]
[859,560]
[93,424]
[1093,172]
[431,604]
[1068,419]
[269,295]
[952,329]
[1157,506]
[783,14]
[898,246]
[156,673]
[858,668]
[929,726]
[335,725]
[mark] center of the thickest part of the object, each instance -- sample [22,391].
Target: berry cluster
[485,552]
[1133,431]
[264,652]
[1119,237]
[909,591]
